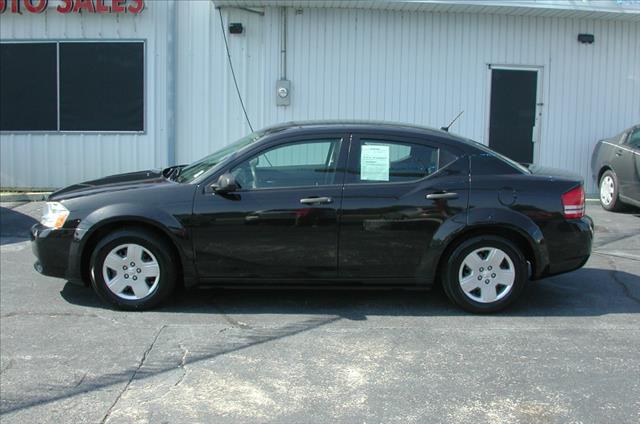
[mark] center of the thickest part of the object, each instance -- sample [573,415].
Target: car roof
[392,128]
[361,125]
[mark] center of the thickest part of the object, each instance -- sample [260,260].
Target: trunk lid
[545,171]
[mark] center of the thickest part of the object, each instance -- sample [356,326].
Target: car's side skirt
[302,283]
[630,201]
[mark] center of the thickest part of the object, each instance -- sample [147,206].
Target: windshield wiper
[172,172]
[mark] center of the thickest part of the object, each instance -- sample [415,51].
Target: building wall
[414,67]
[57,159]
[417,67]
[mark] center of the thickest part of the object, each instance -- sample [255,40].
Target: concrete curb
[24,196]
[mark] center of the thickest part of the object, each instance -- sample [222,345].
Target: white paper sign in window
[374,163]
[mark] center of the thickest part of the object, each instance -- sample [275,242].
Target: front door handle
[437,196]
[316,200]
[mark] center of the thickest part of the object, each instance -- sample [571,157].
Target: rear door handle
[316,200]
[436,196]
[619,152]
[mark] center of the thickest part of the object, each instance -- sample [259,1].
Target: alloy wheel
[486,275]
[606,190]
[131,271]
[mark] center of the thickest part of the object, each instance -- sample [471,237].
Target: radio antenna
[452,122]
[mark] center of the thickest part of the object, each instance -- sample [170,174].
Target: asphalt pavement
[567,352]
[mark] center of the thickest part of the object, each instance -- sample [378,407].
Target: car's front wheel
[133,269]
[485,274]
[609,191]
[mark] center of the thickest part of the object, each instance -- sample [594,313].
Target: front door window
[308,163]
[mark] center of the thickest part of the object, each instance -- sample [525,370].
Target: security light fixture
[586,38]
[236,28]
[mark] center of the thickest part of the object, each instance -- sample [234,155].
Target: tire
[485,291]
[608,187]
[122,285]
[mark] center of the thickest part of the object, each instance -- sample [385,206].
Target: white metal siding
[58,159]
[598,9]
[209,115]
[414,67]
[419,67]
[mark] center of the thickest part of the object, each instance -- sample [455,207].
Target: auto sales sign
[73,6]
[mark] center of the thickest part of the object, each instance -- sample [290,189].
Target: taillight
[573,203]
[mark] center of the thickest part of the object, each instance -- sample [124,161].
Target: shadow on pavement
[245,340]
[585,292]
[14,226]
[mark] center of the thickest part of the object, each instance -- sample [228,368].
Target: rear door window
[380,160]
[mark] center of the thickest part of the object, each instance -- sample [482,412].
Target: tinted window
[488,164]
[72,86]
[508,165]
[375,161]
[634,139]
[206,164]
[28,87]
[102,86]
[302,163]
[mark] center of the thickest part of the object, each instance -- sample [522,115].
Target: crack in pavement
[614,275]
[80,381]
[599,244]
[269,335]
[182,364]
[10,364]
[234,322]
[133,375]
[619,255]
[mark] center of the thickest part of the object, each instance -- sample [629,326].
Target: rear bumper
[52,249]
[572,248]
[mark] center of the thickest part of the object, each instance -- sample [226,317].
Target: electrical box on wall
[283,93]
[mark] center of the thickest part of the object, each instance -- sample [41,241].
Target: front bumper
[52,250]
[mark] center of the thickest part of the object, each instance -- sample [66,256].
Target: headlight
[54,215]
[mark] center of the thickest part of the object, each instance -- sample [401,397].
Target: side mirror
[226,184]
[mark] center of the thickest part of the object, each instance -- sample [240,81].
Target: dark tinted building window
[28,87]
[101,86]
[72,86]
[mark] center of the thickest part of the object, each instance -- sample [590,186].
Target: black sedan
[616,167]
[324,204]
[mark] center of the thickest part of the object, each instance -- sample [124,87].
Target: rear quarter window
[487,164]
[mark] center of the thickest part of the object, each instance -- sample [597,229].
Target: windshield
[200,167]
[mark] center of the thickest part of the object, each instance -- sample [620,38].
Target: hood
[132,180]
[544,171]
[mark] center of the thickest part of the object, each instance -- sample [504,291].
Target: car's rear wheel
[485,274]
[133,269]
[609,191]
